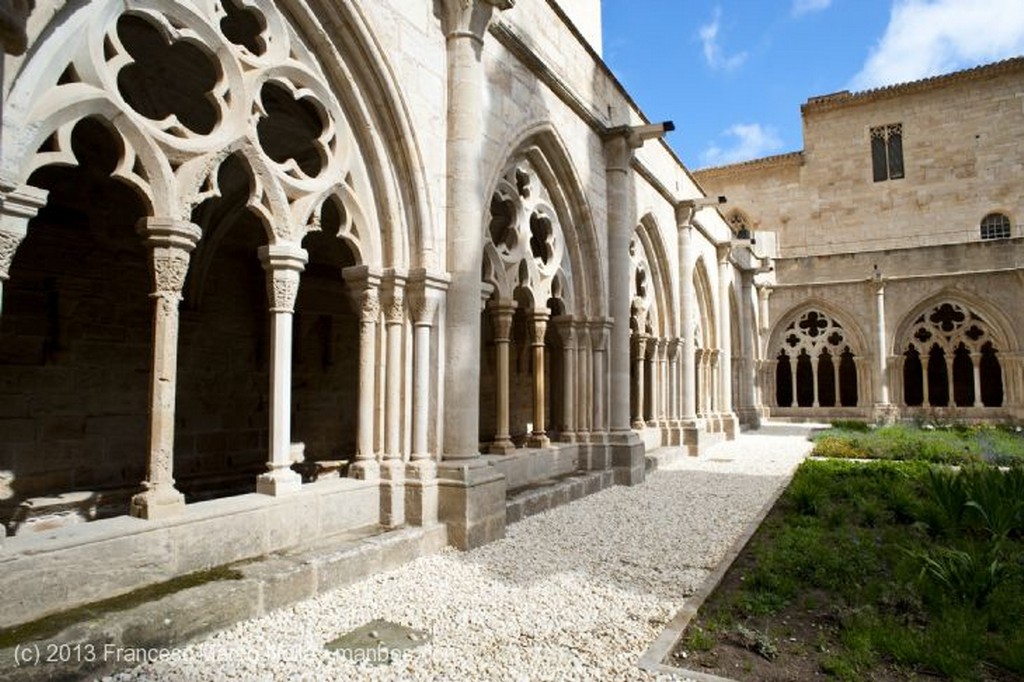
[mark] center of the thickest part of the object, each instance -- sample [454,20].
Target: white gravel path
[576,593]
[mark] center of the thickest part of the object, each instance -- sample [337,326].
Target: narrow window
[995,226]
[887,152]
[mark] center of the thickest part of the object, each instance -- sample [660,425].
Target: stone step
[98,639]
[554,492]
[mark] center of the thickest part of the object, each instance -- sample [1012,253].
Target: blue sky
[732,74]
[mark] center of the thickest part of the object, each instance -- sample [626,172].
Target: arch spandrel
[76,70]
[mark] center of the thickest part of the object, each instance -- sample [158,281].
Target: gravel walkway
[576,593]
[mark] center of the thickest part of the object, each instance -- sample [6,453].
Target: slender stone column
[976,365]
[663,384]
[466,24]
[538,328]
[426,291]
[725,331]
[764,324]
[653,401]
[639,387]
[394,323]
[170,242]
[925,359]
[365,287]
[392,468]
[587,401]
[284,264]
[814,376]
[566,326]
[501,317]
[882,397]
[951,400]
[792,377]
[688,303]
[597,373]
[17,207]
[838,402]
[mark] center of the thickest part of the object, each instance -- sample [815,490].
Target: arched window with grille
[951,359]
[995,226]
[815,364]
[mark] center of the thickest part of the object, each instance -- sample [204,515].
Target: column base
[730,425]
[885,414]
[392,493]
[278,482]
[471,501]
[501,447]
[691,435]
[750,417]
[157,503]
[628,458]
[421,492]
[365,470]
[538,441]
[638,425]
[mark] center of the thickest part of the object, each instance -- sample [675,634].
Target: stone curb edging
[658,651]
[91,649]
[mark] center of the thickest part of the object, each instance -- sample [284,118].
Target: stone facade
[247,246]
[898,243]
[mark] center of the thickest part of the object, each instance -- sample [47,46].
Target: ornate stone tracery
[185,85]
[526,245]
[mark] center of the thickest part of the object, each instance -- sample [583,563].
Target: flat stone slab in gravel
[578,592]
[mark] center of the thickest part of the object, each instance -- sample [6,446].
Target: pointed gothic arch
[814,353]
[949,350]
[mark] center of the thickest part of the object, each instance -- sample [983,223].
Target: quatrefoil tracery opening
[167,77]
[244,26]
[291,129]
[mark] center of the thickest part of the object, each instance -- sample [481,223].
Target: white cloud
[808,6]
[749,141]
[929,37]
[713,51]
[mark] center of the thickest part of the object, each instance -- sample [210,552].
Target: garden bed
[881,570]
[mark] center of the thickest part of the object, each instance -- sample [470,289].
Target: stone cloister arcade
[278,272]
[200,157]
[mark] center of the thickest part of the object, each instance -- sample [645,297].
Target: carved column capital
[8,245]
[685,211]
[170,242]
[723,251]
[674,345]
[599,334]
[425,291]
[284,264]
[501,312]
[538,326]
[17,206]
[470,18]
[364,287]
[393,300]
[566,326]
